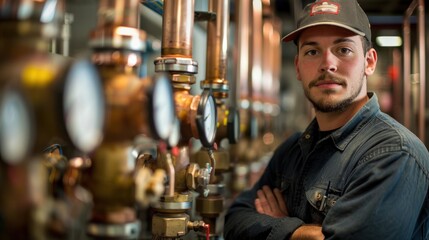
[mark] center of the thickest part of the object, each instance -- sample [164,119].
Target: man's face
[332,67]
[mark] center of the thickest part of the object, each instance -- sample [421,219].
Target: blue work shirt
[366,180]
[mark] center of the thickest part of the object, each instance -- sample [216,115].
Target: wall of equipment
[143,119]
[128,119]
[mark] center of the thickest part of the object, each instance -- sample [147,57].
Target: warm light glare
[126,31]
[389,41]
[132,60]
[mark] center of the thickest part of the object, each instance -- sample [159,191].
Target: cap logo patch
[324,7]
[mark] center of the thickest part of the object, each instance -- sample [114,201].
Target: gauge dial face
[163,107]
[15,127]
[207,119]
[84,105]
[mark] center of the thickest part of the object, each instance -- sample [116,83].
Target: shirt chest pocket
[322,197]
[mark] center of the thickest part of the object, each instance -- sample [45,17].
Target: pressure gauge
[233,125]
[162,104]
[207,119]
[84,105]
[16,134]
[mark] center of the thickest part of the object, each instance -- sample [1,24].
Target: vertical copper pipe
[419,4]
[397,85]
[241,55]
[268,63]
[407,65]
[118,26]
[217,37]
[422,66]
[277,56]
[177,27]
[257,42]
[124,13]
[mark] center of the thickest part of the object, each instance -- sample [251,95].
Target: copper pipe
[407,65]
[271,64]
[422,66]
[242,55]
[419,5]
[217,37]
[118,26]
[268,63]
[277,58]
[118,13]
[257,42]
[177,28]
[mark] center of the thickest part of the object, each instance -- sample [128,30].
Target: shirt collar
[344,135]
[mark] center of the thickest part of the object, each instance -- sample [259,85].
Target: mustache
[327,77]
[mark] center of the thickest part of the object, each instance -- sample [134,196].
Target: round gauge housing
[16,127]
[162,107]
[84,105]
[233,125]
[207,119]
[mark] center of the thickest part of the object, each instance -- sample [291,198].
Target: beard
[326,105]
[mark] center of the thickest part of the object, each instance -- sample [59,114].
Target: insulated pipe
[177,25]
[217,37]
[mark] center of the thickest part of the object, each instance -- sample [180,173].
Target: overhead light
[389,41]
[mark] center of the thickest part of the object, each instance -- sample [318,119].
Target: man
[355,173]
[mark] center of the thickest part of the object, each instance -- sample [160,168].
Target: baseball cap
[342,13]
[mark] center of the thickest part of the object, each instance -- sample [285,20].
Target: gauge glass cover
[163,107]
[84,106]
[15,127]
[209,118]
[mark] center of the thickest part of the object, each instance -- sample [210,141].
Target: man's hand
[271,202]
[308,232]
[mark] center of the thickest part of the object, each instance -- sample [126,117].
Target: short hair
[366,44]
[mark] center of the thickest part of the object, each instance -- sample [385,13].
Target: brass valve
[149,185]
[198,178]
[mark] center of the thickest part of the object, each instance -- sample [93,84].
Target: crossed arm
[272,203]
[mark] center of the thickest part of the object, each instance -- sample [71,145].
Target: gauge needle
[205,118]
